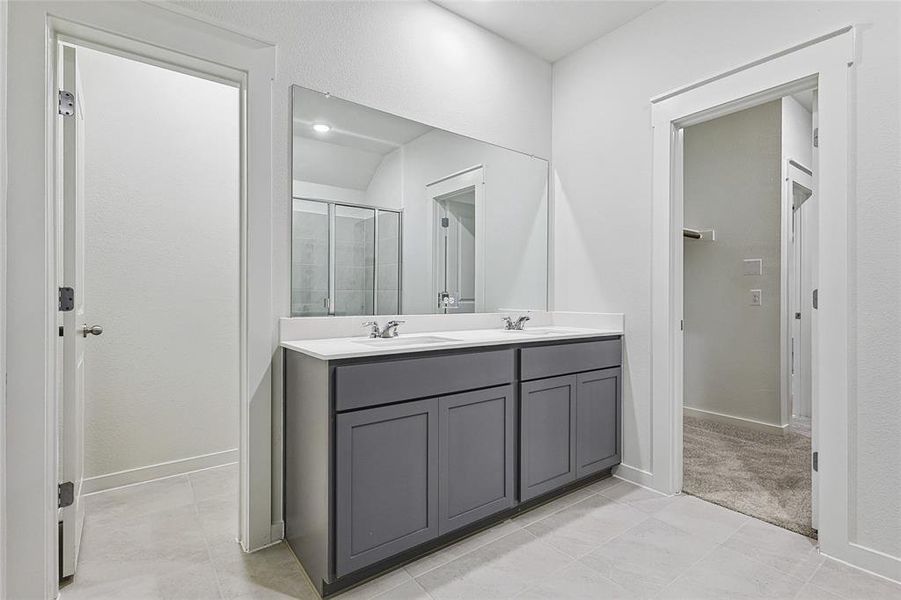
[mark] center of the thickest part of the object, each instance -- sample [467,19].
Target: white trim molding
[824,63]
[161,36]
[109,481]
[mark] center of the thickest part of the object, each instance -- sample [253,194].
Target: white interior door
[74,332]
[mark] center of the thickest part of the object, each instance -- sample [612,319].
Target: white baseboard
[634,475]
[730,420]
[874,562]
[109,481]
[278,531]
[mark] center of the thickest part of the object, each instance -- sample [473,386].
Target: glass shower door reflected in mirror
[310,258]
[354,260]
[345,259]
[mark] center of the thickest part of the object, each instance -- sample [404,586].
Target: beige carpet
[759,474]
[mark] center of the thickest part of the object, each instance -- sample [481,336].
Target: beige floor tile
[853,584]
[582,527]
[727,574]
[377,586]
[216,482]
[134,501]
[777,547]
[218,518]
[407,591]
[445,555]
[501,569]
[155,543]
[812,592]
[271,573]
[142,587]
[607,483]
[648,557]
[555,505]
[702,518]
[576,582]
[638,497]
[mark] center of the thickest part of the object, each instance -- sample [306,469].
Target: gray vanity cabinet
[476,456]
[597,421]
[387,457]
[386,489]
[548,434]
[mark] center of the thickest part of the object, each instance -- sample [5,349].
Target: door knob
[92,330]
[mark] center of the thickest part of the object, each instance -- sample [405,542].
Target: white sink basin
[405,341]
[537,331]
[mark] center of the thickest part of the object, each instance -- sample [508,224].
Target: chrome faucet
[373,326]
[389,331]
[517,325]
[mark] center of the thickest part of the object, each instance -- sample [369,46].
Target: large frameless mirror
[392,216]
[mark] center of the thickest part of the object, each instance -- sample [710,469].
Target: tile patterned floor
[174,539]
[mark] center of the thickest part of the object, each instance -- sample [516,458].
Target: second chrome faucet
[389,331]
[517,325]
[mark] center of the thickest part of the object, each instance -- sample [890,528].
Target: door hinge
[816,461]
[445,222]
[66,299]
[62,331]
[816,137]
[816,298]
[681,324]
[66,105]
[66,494]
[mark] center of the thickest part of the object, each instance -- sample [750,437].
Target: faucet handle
[373,328]
[508,322]
[390,329]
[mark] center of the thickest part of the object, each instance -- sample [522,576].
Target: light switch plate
[755,297]
[753,266]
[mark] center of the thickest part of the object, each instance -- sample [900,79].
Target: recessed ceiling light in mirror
[321,128]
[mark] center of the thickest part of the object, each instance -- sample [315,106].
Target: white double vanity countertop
[426,341]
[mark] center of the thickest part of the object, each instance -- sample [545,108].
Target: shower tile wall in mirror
[392,216]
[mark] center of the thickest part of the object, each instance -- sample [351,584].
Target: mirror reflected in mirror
[392,216]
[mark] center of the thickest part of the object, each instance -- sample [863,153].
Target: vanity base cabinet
[386,489]
[390,457]
[547,435]
[476,456]
[597,420]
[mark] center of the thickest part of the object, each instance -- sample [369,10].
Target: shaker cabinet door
[547,435]
[476,455]
[386,482]
[597,421]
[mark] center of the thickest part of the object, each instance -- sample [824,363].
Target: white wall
[515,220]
[602,148]
[162,265]
[731,183]
[412,59]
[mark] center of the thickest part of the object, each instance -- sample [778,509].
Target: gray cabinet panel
[386,485]
[476,455]
[597,421]
[369,384]
[547,435]
[549,361]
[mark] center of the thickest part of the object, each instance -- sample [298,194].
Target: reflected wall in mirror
[391,216]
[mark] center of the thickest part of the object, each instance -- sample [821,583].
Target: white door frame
[473,177]
[163,36]
[825,63]
[792,171]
